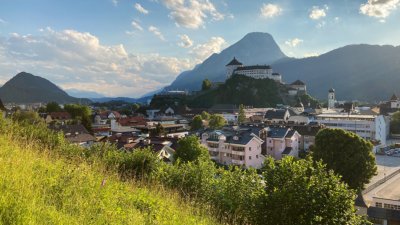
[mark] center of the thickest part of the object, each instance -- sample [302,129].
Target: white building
[331,98]
[369,127]
[255,71]
[228,147]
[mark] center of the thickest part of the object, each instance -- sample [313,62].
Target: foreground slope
[36,189]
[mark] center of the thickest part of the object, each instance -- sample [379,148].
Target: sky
[129,48]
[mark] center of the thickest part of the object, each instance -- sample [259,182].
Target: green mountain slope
[27,88]
[37,189]
[241,90]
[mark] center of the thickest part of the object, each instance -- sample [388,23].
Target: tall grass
[40,186]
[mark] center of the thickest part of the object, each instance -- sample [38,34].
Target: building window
[249,148]
[249,157]
[257,156]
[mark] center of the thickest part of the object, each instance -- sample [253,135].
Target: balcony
[213,149]
[237,162]
[238,152]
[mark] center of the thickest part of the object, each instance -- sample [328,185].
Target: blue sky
[128,48]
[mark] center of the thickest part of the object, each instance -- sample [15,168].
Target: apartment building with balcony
[281,142]
[241,147]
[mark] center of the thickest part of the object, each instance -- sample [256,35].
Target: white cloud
[318,13]
[192,13]
[140,8]
[114,2]
[293,42]
[2,21]
[185,42]
[214,45]
[78,60]
[270,10]
[156,32]
[136,25]
[379,8]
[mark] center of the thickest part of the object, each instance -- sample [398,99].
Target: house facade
[240,148]
[282,141]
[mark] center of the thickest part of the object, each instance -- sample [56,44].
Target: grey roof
[287,151]
[331,90]
[70,128]
[277,132]
[290,133]
[243,135]
[234,62]
[275,114]
[253,67]
[276,74]
[298,82]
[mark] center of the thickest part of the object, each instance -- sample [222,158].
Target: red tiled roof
[60,115]
[133,121]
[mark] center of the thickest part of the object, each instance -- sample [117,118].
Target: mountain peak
[254,48]
[28,88]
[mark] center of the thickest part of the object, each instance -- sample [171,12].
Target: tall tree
[205,115]
[206,85]
[81,113]
[189,150]
[242,115]
[347,154]
[302,192]
[395,123]
[197,123]
[53,107]
[216,121]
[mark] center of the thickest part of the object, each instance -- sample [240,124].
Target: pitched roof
[331,90]
[298,82]
[60,115]
[277,132]
[394,98]
[234,62]
[78,138]
[275,114]
[70,128]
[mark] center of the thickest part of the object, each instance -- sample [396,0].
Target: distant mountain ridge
[356,72]
[27,88]
[250,50]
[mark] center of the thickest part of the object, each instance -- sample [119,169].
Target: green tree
[81,113]
[197,123]
[159,130]
[347,154]
[216,121]
[395,123]
[189,149]
[242,115]
[205,115]
[302,192]
[206,85]
[29,117]
[53,107]
[135,107]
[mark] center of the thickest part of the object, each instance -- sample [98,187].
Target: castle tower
[331,98]
[232,66]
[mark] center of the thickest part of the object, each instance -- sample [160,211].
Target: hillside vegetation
[43,180]
[39,187]
[241,89]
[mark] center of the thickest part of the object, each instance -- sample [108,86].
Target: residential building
[281,141]
[241,147]
[277,116]
[75,134]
